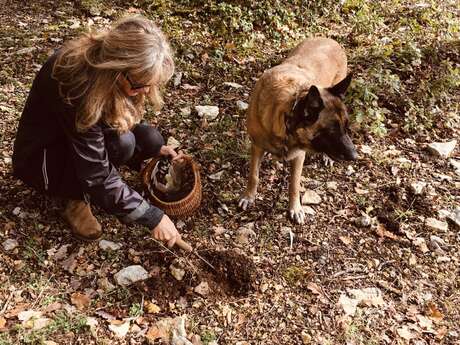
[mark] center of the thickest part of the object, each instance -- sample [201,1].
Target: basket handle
[184,245]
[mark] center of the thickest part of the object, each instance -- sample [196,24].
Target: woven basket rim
[196,182]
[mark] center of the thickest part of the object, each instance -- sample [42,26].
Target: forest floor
[377,260]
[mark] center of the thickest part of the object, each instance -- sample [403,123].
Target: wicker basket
[180,208]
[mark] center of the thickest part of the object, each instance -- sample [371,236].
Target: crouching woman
[83,119]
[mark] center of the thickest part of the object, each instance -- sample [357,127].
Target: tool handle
[184,245]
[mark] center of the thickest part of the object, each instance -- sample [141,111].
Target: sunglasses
[133,85]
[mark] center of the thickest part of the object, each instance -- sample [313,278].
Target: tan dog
[296,107]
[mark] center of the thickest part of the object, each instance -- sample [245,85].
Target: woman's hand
[166,231]
[169,152]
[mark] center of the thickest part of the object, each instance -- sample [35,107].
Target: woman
[82,120]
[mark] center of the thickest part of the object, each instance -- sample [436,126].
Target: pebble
[363,221]
[232,84]
[245,233]
[331,185]
[350,170]
[180,224]
[442,150]
[177,79]
[16,211]
[443,259]
[242,105]
[177,272]
[310,197]
[210,112]
[421,244]
[109,245]
[173,142]
[418,187]
[130,275]
[456,165]
[435,224]
[309,210]
[10,244]
[454,217]
[202,289]
[186,111]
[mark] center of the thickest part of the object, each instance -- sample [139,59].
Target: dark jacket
[47,126]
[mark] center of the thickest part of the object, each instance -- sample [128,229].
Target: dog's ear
[341,87]
[313,104]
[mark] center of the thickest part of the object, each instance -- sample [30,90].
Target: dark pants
[131,149]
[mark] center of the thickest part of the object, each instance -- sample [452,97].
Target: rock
[202,289]
[173,142]
[109,245]
[242,105]
[456,165]
[177,78]
[210,112]
[130,275]
[105,284]
[120,330]
[454,217]
[421,244]
[177,272]
[310,197]
[442,149]
[366,149]
[417,187]
[245,233]
[186,111]
[443,259]
[437,244]
[233,85]
[435,224]
[308,210]
[331,185]
[9,244]
[350,170]
[217,176]
[16,211]
[364,221]
[180,224]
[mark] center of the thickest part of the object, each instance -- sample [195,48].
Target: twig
[7,302]
[173,253]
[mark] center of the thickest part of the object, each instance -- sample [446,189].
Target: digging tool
[188,248]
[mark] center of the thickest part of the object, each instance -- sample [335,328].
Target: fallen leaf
[314,288]
[152,308]
[433,312]
[381,231]
[26,315]
[405,333]
[155,333]
[424,322]
[2,323]
[345,240]
[81,301]
[120,330]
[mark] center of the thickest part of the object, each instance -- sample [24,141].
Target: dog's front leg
[295,207]
[249,195]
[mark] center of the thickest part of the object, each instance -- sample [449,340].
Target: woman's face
[131,88]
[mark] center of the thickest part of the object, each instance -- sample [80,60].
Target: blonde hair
[88,68]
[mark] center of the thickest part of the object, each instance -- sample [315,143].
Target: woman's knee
[120,147]
[148,139]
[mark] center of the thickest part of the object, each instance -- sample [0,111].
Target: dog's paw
[297,214]
[245,202]
[328,161]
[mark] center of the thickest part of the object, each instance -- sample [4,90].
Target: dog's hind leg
[249,195]
[295,207]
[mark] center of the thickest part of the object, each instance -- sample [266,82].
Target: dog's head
[320,122]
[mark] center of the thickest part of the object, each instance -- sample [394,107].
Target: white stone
[242,105]
[364,221]
[310,197]
[350,170]
[331,185]
[366,149]
[245,233]
[435,224]
[202,288]
[210,112]
[217,176]
[177,272]
[417,187]
[109,245]
[233,85]
[308,210]
[130,275]
[442,149]
[177,79]
[454,217]
[186,111]
[120,330]
[16,211]
[10,244]
[173,142]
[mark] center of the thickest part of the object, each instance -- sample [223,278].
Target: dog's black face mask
[329,118]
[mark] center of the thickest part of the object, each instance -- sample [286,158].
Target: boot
[84,225]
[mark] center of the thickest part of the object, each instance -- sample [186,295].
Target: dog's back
[316,61]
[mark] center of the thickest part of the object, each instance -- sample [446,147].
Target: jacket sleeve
[101,181]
